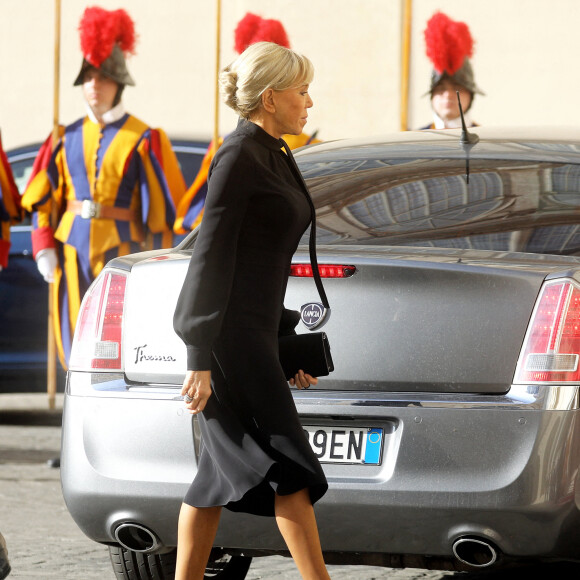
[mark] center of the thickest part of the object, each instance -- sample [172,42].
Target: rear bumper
[503,468]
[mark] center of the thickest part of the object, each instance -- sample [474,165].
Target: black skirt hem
[260,499]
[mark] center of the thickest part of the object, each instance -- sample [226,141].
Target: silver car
[449,430]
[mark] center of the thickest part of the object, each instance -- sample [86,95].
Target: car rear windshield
[516,205]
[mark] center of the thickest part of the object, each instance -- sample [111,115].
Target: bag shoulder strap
[312,240]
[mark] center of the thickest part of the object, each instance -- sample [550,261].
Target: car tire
[129,565]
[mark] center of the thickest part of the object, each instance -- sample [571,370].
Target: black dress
[229,314]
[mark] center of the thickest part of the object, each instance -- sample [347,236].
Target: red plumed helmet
[107,36]
[253,28]
[449,46]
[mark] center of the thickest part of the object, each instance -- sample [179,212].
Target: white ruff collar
[453,123]
[110,116]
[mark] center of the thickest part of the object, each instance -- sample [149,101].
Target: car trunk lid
[409,320]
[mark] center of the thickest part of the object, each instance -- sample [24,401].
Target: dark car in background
[24,293]
[449,430]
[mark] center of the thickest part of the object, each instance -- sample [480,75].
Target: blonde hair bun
[263,65]
[228,84]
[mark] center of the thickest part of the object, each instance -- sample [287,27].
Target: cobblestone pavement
[44,542]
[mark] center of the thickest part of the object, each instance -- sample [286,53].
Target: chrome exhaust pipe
[136,538]
[475,552]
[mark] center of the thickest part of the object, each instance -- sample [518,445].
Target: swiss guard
[250,29]
[108,187]
[10,209]
[449,46]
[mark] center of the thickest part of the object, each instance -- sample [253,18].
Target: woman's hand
[196,390]
[303,380]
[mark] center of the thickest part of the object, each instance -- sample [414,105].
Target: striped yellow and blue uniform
[10,210]
[125,166]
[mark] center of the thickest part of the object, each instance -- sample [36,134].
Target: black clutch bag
[309,352]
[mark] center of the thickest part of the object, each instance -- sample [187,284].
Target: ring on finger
[187,398]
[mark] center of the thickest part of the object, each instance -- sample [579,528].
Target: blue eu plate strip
[373,446]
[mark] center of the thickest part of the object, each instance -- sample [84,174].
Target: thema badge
[314,315]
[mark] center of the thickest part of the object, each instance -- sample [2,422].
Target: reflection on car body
[24,293]
[456,346]
[431,204]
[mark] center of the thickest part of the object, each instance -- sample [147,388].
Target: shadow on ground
[26,456]
[48,418]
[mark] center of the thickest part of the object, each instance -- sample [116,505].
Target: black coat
[228,314]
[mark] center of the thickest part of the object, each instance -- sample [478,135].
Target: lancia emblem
[313,314]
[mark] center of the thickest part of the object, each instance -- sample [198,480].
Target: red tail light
[326,270]
[551,349]
[97,339]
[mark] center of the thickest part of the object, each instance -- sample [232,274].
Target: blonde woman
[230,312]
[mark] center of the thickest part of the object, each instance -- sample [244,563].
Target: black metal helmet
[106,37]
[464,77]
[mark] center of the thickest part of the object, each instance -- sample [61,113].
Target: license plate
[346,445]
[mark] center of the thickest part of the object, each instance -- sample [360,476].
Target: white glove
[46,262]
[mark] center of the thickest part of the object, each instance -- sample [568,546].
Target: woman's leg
[196,531]
[297,523]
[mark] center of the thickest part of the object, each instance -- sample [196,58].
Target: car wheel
[129,565]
